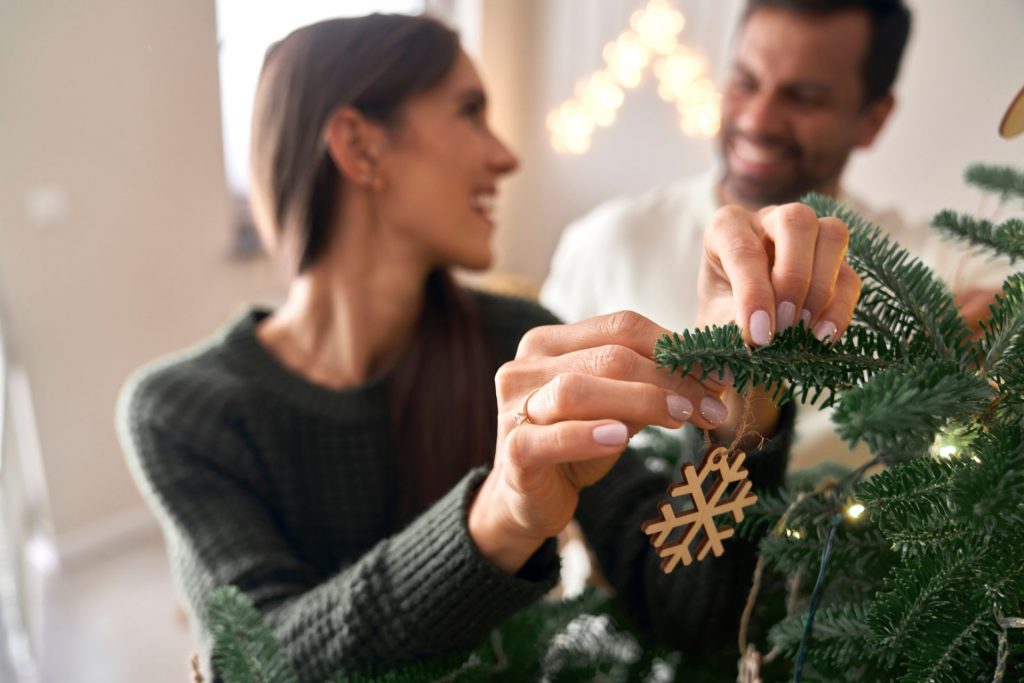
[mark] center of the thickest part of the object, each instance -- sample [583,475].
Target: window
[245,29]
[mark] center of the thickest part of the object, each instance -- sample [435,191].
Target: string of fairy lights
[650,44]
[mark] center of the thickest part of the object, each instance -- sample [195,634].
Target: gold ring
[523,416]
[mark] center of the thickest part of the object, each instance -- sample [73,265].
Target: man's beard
[798,180]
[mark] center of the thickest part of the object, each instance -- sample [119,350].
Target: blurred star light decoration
[651,41]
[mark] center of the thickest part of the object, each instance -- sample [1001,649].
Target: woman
[382,463]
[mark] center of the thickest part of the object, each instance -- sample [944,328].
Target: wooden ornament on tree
[700,516]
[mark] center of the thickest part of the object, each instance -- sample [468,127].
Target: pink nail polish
[825,330]
[679,407]
[713,410]
[785,314]
[761,328]
[611,434]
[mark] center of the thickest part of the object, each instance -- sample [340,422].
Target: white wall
[964,65]
[114,103]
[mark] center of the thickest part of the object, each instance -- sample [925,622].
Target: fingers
[832,322]
[570,441]
[624,328]
[829,256]
[734,245]
[794,231]
[813,284]
[577,396]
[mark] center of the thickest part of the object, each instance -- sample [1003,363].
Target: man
[811,82]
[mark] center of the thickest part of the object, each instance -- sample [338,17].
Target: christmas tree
[913,574]
[916,573]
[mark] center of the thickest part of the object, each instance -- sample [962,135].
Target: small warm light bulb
[626,58]
[571,126]
[947,451]
[855,511]
[658,24]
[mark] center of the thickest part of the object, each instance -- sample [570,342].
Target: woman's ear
[354,144]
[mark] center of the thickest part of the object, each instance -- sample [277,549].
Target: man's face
[794,106]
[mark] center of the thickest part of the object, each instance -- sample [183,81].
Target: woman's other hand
[586,388]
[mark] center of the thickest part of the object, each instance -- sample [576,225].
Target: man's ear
[354,144]
[873,118]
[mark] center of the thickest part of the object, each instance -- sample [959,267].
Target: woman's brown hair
[442,392]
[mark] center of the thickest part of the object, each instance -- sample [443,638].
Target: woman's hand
[585,388]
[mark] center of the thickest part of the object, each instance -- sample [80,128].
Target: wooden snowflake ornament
[700,516]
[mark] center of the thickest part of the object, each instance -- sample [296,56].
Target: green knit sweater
[284,489]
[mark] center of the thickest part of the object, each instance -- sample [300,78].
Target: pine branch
[245,650]
[857,547]
[920,304]
[961,643]
[842,636]
[909,490]
[812,512]
[1005,239]
[1004,181]
[1003,343]
[918,599]
[796,363]
[899,411]
[910,503]
[989,494]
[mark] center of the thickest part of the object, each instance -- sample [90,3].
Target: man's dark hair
[890,28]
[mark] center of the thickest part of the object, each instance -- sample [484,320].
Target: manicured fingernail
[724,376]
[761,328]
[825,330]
[713,410]
[805,318]
[611,434]
[785,314]
[679,407]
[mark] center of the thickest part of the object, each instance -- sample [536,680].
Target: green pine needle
[918,599]
[912,489]
[988,493]
[898,412]
[796,363]
[900,296]
[961,638]
[1004,181]
[1005,239]
[842,636]
[1003,344]
[246,650]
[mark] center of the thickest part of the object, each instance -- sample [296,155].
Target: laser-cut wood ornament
[700,516]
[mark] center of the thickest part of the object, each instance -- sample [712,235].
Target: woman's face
[440,169]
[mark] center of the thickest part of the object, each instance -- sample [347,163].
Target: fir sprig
[842,630]
[900,297]
[246,648]
[898,412]
[1002,181]
[795,364]
[1004,239]
[1003,344]
[988,493]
